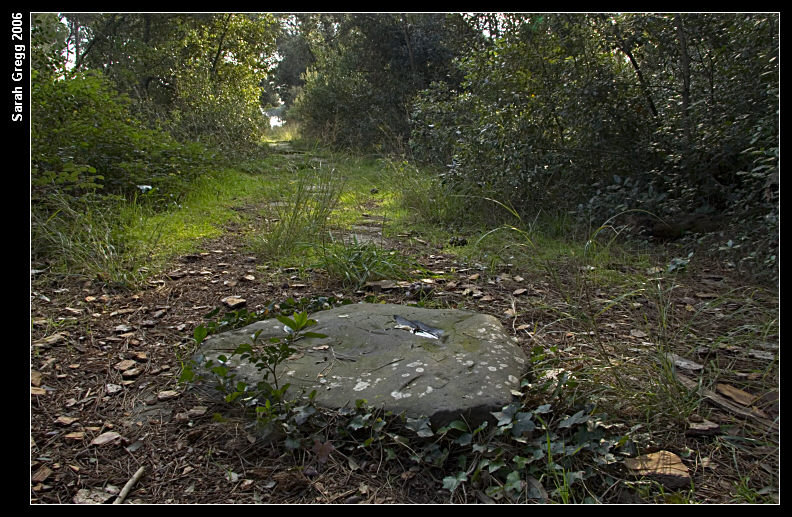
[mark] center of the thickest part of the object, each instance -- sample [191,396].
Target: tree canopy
[594,113]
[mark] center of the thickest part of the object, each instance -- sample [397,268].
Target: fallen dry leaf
[126,364]
[132,372]
[664,466]
[234,302]
[41,475]
[683,363]
[76,436]
[322,450]
[51,340]
[197,411]
[167,395]
[755,413]
[112,388]
[703,428]
[105,438]
[92,496]
[736,394]
[121,312]
[66,420]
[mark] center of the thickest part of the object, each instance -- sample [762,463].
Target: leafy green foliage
[48,41]
[267,397]
[532,455]
[108,122]
[84,137]
[196,75]
[89,155]
[652,111]
[367,68]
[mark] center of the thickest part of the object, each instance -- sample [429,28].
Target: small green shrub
[267,396]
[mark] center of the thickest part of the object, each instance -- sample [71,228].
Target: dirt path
[108,362]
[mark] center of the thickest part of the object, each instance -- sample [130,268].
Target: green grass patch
[352,264]
[207,207]
[84,237]
[122,241]
[289,132]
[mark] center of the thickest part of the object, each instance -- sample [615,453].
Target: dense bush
[84,137]
[337,108]
[197,76]
[600,113]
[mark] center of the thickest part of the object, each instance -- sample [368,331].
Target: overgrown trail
[107,361]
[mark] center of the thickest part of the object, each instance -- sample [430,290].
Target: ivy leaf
[513,481]
[506,416]
[421,426]
[302,413]
[357,422]
[536,490]
[456,424]
[464,439]
[452,482]
[572,476]
[523,424]
[577,418]
[544,408]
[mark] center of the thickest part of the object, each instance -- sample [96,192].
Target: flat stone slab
[438,363]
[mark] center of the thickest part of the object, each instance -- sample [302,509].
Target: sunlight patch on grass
[208,206]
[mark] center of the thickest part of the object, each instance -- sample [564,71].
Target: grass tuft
[298,216]
[352,264]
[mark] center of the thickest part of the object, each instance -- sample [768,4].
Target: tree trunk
[405,25]
[684,65]
[220,46]
[641,80]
